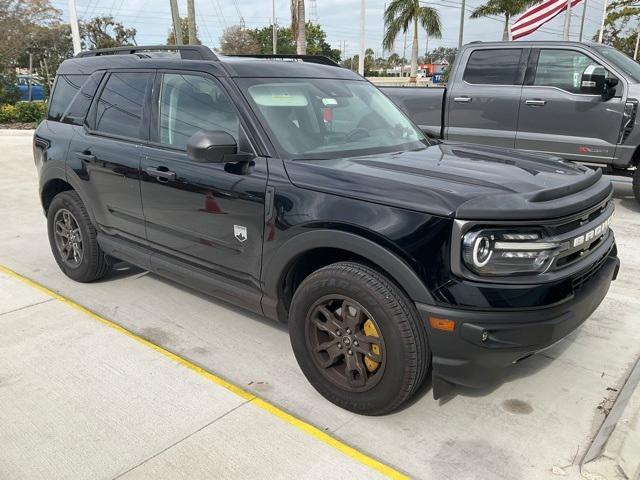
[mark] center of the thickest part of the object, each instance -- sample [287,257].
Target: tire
[91,263]
[402,338]
[636,183]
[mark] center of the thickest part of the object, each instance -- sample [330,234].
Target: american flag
[537,16]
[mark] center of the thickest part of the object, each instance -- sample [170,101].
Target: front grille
[581,236]
[586,276]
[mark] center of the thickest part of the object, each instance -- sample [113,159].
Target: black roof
[202,59]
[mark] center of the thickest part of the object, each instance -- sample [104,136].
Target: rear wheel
[358,339]
[636,183]
[73,242]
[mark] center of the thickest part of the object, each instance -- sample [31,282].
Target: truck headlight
[494,252]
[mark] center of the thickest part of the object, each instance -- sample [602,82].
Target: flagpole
[567,21]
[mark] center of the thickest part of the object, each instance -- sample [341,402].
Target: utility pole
[361,58]
[75,29]
[191,20]
[567,21]
[177,25]
[604,17]
[462,10]
[584,14]
[274,27]
[30,76]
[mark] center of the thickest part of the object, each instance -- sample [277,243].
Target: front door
[484,99]
[555,117]
[207,215]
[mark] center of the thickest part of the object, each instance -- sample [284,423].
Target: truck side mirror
[214,147]
[593,80]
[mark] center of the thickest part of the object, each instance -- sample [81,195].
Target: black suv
[296,189]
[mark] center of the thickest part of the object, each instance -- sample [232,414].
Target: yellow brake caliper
[370,331]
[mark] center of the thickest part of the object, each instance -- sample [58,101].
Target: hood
[461,181]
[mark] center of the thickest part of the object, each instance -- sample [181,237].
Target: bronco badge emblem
[240,233]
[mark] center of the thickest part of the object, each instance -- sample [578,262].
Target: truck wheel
[636,183]
[73,242]
[358,339]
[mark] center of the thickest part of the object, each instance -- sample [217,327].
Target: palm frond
[429,18]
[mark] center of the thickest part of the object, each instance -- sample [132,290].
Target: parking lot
[164,419]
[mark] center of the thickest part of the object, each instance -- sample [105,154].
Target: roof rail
[187,52]
[321,59]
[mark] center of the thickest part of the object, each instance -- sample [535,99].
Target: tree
[399,15]
[105,32]
[621,26]
[315,37]
[508,8]
[18,19]
[298,25]
[184,28]
[238,41]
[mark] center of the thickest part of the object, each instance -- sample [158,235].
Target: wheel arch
[319,248]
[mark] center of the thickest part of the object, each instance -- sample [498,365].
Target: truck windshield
[324,118]
[620,60]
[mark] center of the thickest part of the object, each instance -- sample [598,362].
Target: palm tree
[298,26]
[508,8]
[399,15]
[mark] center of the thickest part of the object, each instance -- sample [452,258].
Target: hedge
[23,112]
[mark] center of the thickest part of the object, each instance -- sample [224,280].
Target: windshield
[620,60]
[324,118]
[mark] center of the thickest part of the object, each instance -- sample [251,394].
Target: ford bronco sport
[295,189]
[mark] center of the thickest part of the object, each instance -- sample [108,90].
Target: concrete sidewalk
[81,400]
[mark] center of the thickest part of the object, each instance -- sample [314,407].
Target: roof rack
[321,59]
[187,52]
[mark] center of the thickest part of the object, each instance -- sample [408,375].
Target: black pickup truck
[577,101]
[299,191]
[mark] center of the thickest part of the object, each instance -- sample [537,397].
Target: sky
[339,19]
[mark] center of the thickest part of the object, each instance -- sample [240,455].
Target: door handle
[162,174]
[86,155]
[462,99]
[535,103]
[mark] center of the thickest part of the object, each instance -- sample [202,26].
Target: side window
[494,67]
[189,103]
[80,104]
[562,69]
[65,89]
[119,110]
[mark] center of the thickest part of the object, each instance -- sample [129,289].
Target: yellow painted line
[306,427]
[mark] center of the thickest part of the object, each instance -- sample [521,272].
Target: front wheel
[358,339]
[636,183]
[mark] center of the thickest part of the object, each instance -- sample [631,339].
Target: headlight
[499,252]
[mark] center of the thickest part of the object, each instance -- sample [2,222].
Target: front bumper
[484,342]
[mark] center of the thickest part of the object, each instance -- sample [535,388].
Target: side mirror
[214,147]
[593,80]
[610,88]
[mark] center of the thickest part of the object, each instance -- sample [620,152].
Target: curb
[615,451]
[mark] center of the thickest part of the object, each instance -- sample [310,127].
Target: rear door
[484,98]
[106,153]
[555,117]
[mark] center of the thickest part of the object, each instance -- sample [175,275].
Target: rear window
[494,67]
[80,104]
[64,90]
[119,110]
